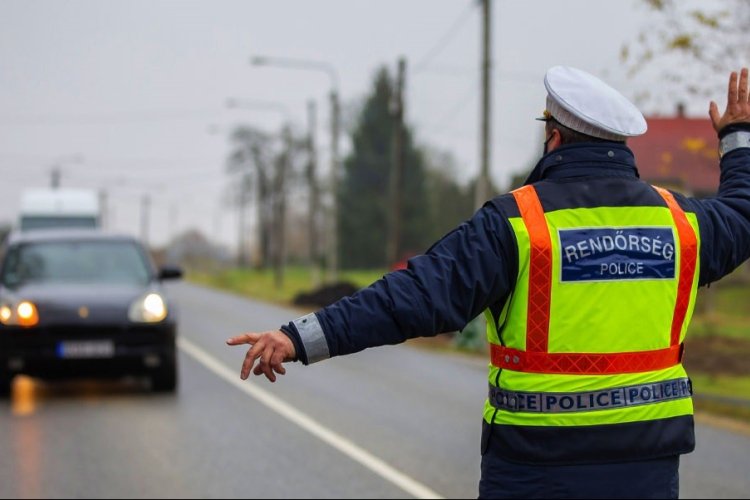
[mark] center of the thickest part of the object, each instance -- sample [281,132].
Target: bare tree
[274,164]
[290,163]
[694,46]
[252,157]
[681,34]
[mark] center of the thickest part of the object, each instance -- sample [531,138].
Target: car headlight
[150,308]
[5,314]
[22,314]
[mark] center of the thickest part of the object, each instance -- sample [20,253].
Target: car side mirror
[170,273]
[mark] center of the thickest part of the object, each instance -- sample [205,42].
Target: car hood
[74,304]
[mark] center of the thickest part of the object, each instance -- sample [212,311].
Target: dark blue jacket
[475,266]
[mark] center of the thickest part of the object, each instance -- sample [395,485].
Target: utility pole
[217,226]
[312,182]
[333,250]
[280,227]
[217,259]
[483,181]
[244,192]
[56,172]
[397,167]
[103,209]
[265,218]
[174,216]
[145,216]
[55,176]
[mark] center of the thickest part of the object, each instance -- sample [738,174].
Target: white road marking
[345,446]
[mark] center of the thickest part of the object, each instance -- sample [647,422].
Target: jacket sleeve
[441,291]
[724,221]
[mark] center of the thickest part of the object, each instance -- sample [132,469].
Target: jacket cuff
[313,338]
[739,139]
[293,335]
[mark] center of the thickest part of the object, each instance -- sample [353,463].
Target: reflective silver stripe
[608,399]
[313,338]
[734,141]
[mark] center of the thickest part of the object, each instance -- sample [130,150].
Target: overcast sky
[123,94]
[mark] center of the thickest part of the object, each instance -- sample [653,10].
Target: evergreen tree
[450,203]
[365,189]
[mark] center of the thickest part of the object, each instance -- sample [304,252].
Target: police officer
[587,277]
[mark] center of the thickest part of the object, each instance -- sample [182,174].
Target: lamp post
[330,70]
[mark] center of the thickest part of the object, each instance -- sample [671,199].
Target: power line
[119,180]
[102,159]
[166,186]
[97,169]
[117,164]
[466,72]
[445,39]
[171,175]
[467,98]
[165,115]
[450,71]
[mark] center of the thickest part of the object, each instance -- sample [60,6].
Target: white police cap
[584,103]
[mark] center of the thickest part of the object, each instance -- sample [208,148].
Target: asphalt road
[393,422]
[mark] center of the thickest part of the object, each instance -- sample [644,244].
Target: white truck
[59,209]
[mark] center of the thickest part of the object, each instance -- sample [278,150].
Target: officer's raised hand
[738,103]
[273,348]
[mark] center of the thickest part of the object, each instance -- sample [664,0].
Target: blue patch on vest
[615,254]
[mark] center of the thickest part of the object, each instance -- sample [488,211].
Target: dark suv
[83,304]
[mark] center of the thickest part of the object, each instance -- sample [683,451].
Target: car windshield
[76,262]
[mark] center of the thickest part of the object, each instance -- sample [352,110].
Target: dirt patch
[325,296]
[718,355]
[440,342]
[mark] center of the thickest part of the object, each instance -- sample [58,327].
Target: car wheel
[165,380]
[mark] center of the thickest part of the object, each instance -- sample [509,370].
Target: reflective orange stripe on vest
[588,364]
[540,271]
[688,261]
[536,358]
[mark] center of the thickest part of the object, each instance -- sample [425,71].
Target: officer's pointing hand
[738,103]
[273,348]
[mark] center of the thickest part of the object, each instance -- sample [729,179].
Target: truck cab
[59,209]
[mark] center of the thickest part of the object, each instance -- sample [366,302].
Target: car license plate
[86,350]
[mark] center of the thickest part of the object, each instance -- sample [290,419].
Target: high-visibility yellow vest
[593,332]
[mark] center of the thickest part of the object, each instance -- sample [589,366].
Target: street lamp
[286,62]
[330,70]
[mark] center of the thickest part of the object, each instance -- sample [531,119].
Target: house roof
[679,153]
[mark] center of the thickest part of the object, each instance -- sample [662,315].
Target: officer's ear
[555,140]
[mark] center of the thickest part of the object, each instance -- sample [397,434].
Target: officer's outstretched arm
[725,219]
